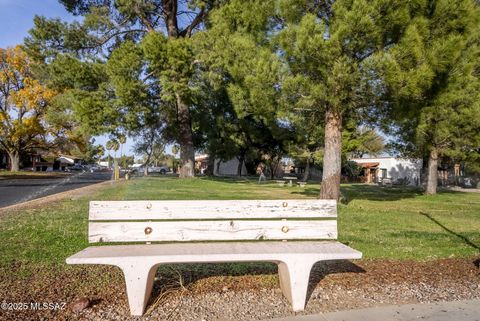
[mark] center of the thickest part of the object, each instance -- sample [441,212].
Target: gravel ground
[334,286]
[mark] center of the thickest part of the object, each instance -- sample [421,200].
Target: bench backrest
[183,221]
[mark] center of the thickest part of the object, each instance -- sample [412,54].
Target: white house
[228,168]
[220,168]
[67,160]
[103,164]
[395,169]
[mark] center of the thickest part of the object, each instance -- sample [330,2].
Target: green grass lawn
[391,223]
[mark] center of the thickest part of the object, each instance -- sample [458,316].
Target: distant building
[228,168]
[106,164]
[32,160]
[64,161]
[220,168]
[392,168]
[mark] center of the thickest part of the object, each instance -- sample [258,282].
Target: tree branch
[147,23]
[107,38]
[196,21]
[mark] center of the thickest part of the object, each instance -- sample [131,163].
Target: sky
[16,19]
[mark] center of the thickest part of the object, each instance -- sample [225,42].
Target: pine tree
[157,33]
[432,83]
[327,46]
[238,62]
[315,55]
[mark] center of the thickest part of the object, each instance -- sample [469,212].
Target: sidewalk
[440,311]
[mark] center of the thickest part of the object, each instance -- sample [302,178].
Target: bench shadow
[177,277]
[174,278]
[182,275]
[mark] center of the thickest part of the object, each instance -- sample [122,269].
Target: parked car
[76,168]
[91,168]
[158,169]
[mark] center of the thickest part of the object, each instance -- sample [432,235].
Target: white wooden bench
[295,234]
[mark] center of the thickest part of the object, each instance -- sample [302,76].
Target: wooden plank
[220,209]
[211,230]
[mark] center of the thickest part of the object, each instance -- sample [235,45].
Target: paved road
[14,191]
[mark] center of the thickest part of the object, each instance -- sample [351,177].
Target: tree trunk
[273,168]
[14,161]
[432,174]
[306,175]
[332,160]
[185,140]
[185,136]
[170,8]
[211,165]
[241,160]
[217,170]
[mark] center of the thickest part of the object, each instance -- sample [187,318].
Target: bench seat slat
[185,231]
[213,252]
[218,209]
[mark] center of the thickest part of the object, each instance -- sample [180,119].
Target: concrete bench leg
[294,276]
[139,282]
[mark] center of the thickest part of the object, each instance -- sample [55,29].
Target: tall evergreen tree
[315,53]
[158,34]
[236,56]
[431,80]
[326,46]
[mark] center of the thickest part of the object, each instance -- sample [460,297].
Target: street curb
[56,197]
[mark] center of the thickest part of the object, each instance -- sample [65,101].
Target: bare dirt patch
[220,293]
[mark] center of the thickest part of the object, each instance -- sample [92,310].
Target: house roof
[369,165]
[69,156]
[66,159]
[200,158]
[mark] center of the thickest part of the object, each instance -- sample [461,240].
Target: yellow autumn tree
[23,102]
